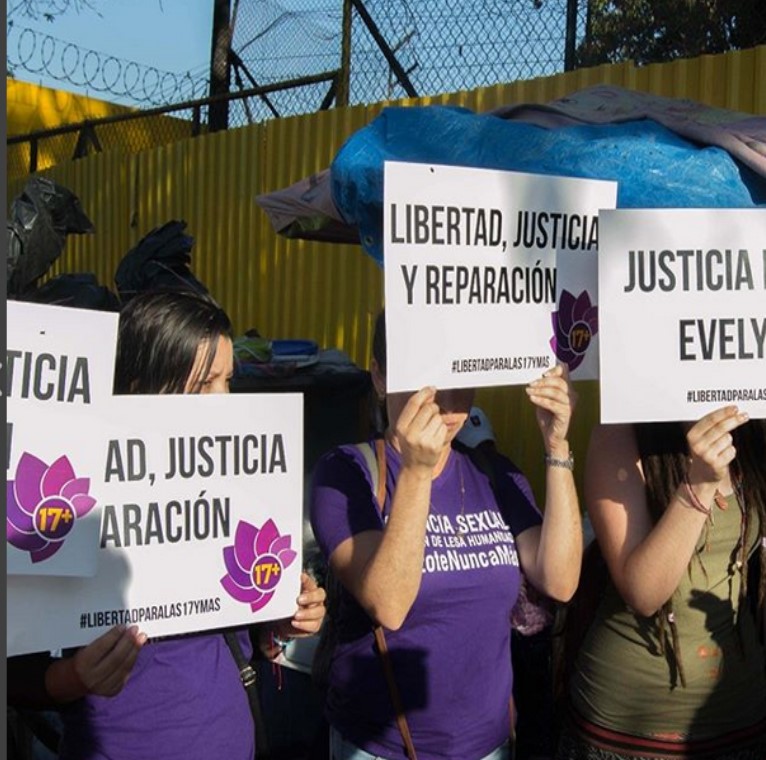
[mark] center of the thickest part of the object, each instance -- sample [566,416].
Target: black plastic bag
[159,261]
[80,290]
[40,219]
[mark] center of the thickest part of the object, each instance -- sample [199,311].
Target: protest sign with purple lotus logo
[59,372]
[477,261]
[198,517]
[124,526]
[255,563]
[575,324]
[44,503]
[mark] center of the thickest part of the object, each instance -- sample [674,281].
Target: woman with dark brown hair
[673,665]
[174,697]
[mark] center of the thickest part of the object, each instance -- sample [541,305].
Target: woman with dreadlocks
[672,665]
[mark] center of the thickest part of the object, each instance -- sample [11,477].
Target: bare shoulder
[613,467]
[612,438]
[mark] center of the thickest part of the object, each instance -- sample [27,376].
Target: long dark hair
[379,340]
[378,410]
[664,456]
[159,337]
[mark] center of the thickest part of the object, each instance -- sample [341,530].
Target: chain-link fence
[437,45]
[395,48]
[425,47]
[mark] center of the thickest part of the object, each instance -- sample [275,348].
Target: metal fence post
[571,35]
[344,76]
[220,66]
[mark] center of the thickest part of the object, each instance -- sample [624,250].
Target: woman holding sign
[177,697]
[673,665]
[427,543]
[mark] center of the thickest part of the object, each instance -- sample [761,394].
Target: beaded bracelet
[694,499]
[567,463]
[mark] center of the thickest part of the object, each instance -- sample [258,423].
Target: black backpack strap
[247,675]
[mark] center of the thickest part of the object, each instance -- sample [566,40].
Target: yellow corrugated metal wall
[31,108]
[330,293]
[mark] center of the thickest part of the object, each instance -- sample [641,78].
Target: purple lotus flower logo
[255,563]
[574,325]
[43,504]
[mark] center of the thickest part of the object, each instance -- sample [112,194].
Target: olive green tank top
[623,681]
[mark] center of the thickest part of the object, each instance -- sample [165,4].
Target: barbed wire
[41,54]
[441,45]
[444,45]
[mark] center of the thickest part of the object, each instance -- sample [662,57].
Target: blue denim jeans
[341,749]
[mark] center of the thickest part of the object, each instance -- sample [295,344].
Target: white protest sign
[470,274]
[200,523]
[683,298]
[59,373]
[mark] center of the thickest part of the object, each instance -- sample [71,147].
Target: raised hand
[711,447]
[420,430]
[554,400]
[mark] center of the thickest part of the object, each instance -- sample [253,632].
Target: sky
[442,44]
[169,35]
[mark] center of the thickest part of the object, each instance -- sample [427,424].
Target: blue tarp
[654,166]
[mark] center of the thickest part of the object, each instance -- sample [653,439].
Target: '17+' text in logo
[255,563]
[43,504]
[574,326]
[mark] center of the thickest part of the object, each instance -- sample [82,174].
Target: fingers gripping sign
[306,620]
[554,400]
[102,667]
[420,430]
[711,448]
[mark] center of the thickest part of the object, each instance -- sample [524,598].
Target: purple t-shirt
[451,658]
[183,701]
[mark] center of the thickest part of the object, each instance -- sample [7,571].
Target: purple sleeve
[517,502]
[342,503]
